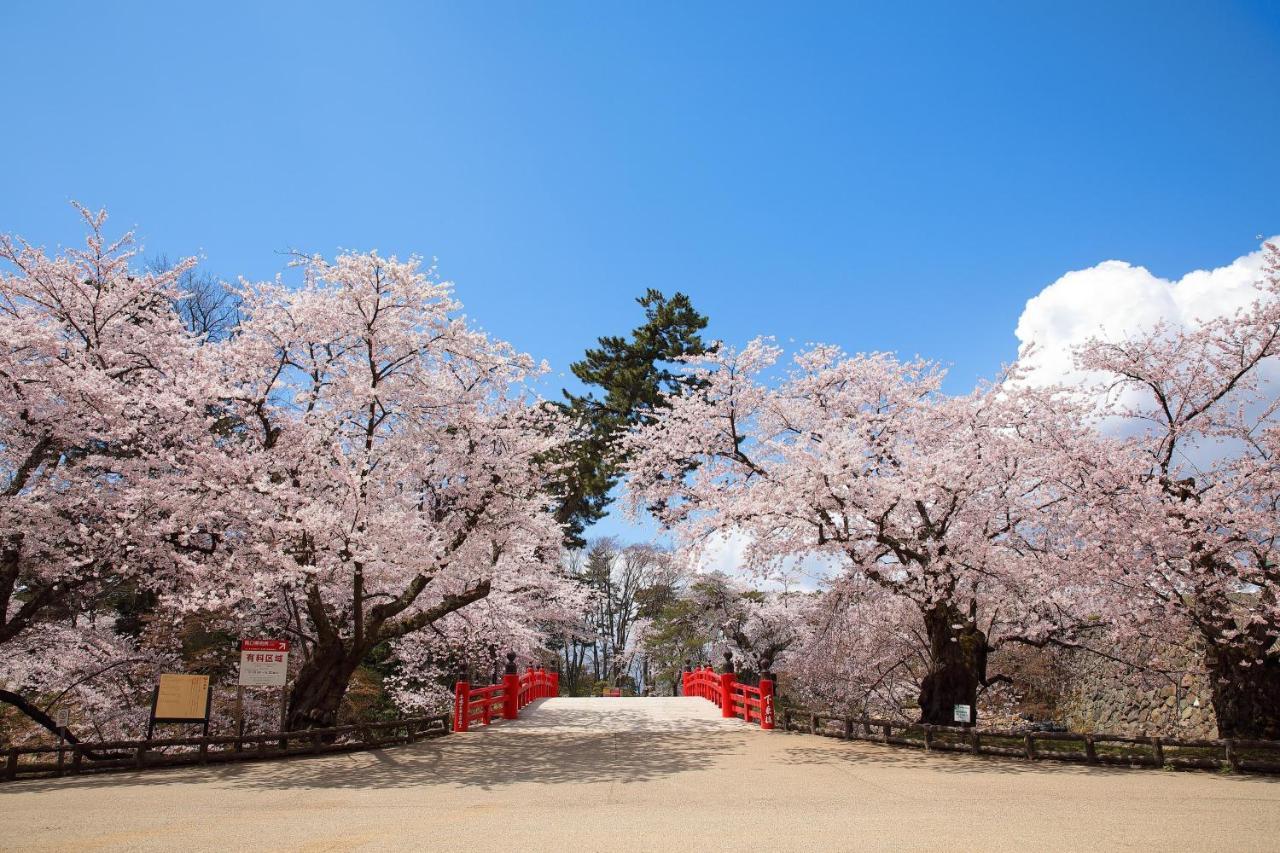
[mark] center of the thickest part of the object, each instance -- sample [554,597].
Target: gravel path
[642,774]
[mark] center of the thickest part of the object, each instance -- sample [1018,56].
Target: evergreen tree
[632,377]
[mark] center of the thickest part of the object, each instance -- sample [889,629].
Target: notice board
[181,699]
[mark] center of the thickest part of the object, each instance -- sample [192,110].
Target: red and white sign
[264,663]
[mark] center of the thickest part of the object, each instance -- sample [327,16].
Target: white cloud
[727,552]
[1115,299]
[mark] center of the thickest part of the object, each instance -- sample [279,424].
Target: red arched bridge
[505,700]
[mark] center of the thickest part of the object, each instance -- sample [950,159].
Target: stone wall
[1102,696]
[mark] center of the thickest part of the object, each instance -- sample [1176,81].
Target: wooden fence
[1238,755]
[75,759]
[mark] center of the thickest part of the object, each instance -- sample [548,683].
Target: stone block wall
[1102,696]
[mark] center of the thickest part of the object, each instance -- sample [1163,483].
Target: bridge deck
[642,774]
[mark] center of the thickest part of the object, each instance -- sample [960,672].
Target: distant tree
[634,377]
[208,308]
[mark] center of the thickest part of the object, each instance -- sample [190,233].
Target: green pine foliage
[629,378]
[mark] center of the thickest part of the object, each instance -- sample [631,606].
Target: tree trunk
[321,683]
[1246,694]
[957,663]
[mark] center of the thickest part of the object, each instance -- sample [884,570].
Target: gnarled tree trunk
[957,665]
[321,683]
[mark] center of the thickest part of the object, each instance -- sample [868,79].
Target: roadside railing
[504,700]
[753,704]
[1235,754]
[75,759]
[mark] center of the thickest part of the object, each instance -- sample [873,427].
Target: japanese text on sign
[264,663]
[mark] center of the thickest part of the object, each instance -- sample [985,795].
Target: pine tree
[634,376]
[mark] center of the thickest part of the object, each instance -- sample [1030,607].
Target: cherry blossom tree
[944,501]
[858,649]
[83,667]
[1185,514]
[386,454]
[105,429]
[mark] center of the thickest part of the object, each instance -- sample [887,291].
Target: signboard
[264,663]
[962,714]
[182,698]
[62,718]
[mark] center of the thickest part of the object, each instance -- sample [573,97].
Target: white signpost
[264,663]
[961,713]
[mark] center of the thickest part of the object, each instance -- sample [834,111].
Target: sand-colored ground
[642,774]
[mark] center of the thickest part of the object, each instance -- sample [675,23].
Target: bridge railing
[754,704]
[504,700]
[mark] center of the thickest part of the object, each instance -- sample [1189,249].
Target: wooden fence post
[975,741]
[848,728]
[928,737]
[11,764]
[1090,753]
[1157,749]
[1029,745]
[1233,757]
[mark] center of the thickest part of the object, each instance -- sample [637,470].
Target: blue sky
[902,177]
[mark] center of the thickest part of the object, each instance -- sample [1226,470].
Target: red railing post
[726,686]
[766,694]
[555,684]
[685,676]
[461,706]
[510,689]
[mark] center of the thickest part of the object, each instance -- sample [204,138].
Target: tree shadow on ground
[870,754]
[550,748]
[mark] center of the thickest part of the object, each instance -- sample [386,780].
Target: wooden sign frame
[155,699]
